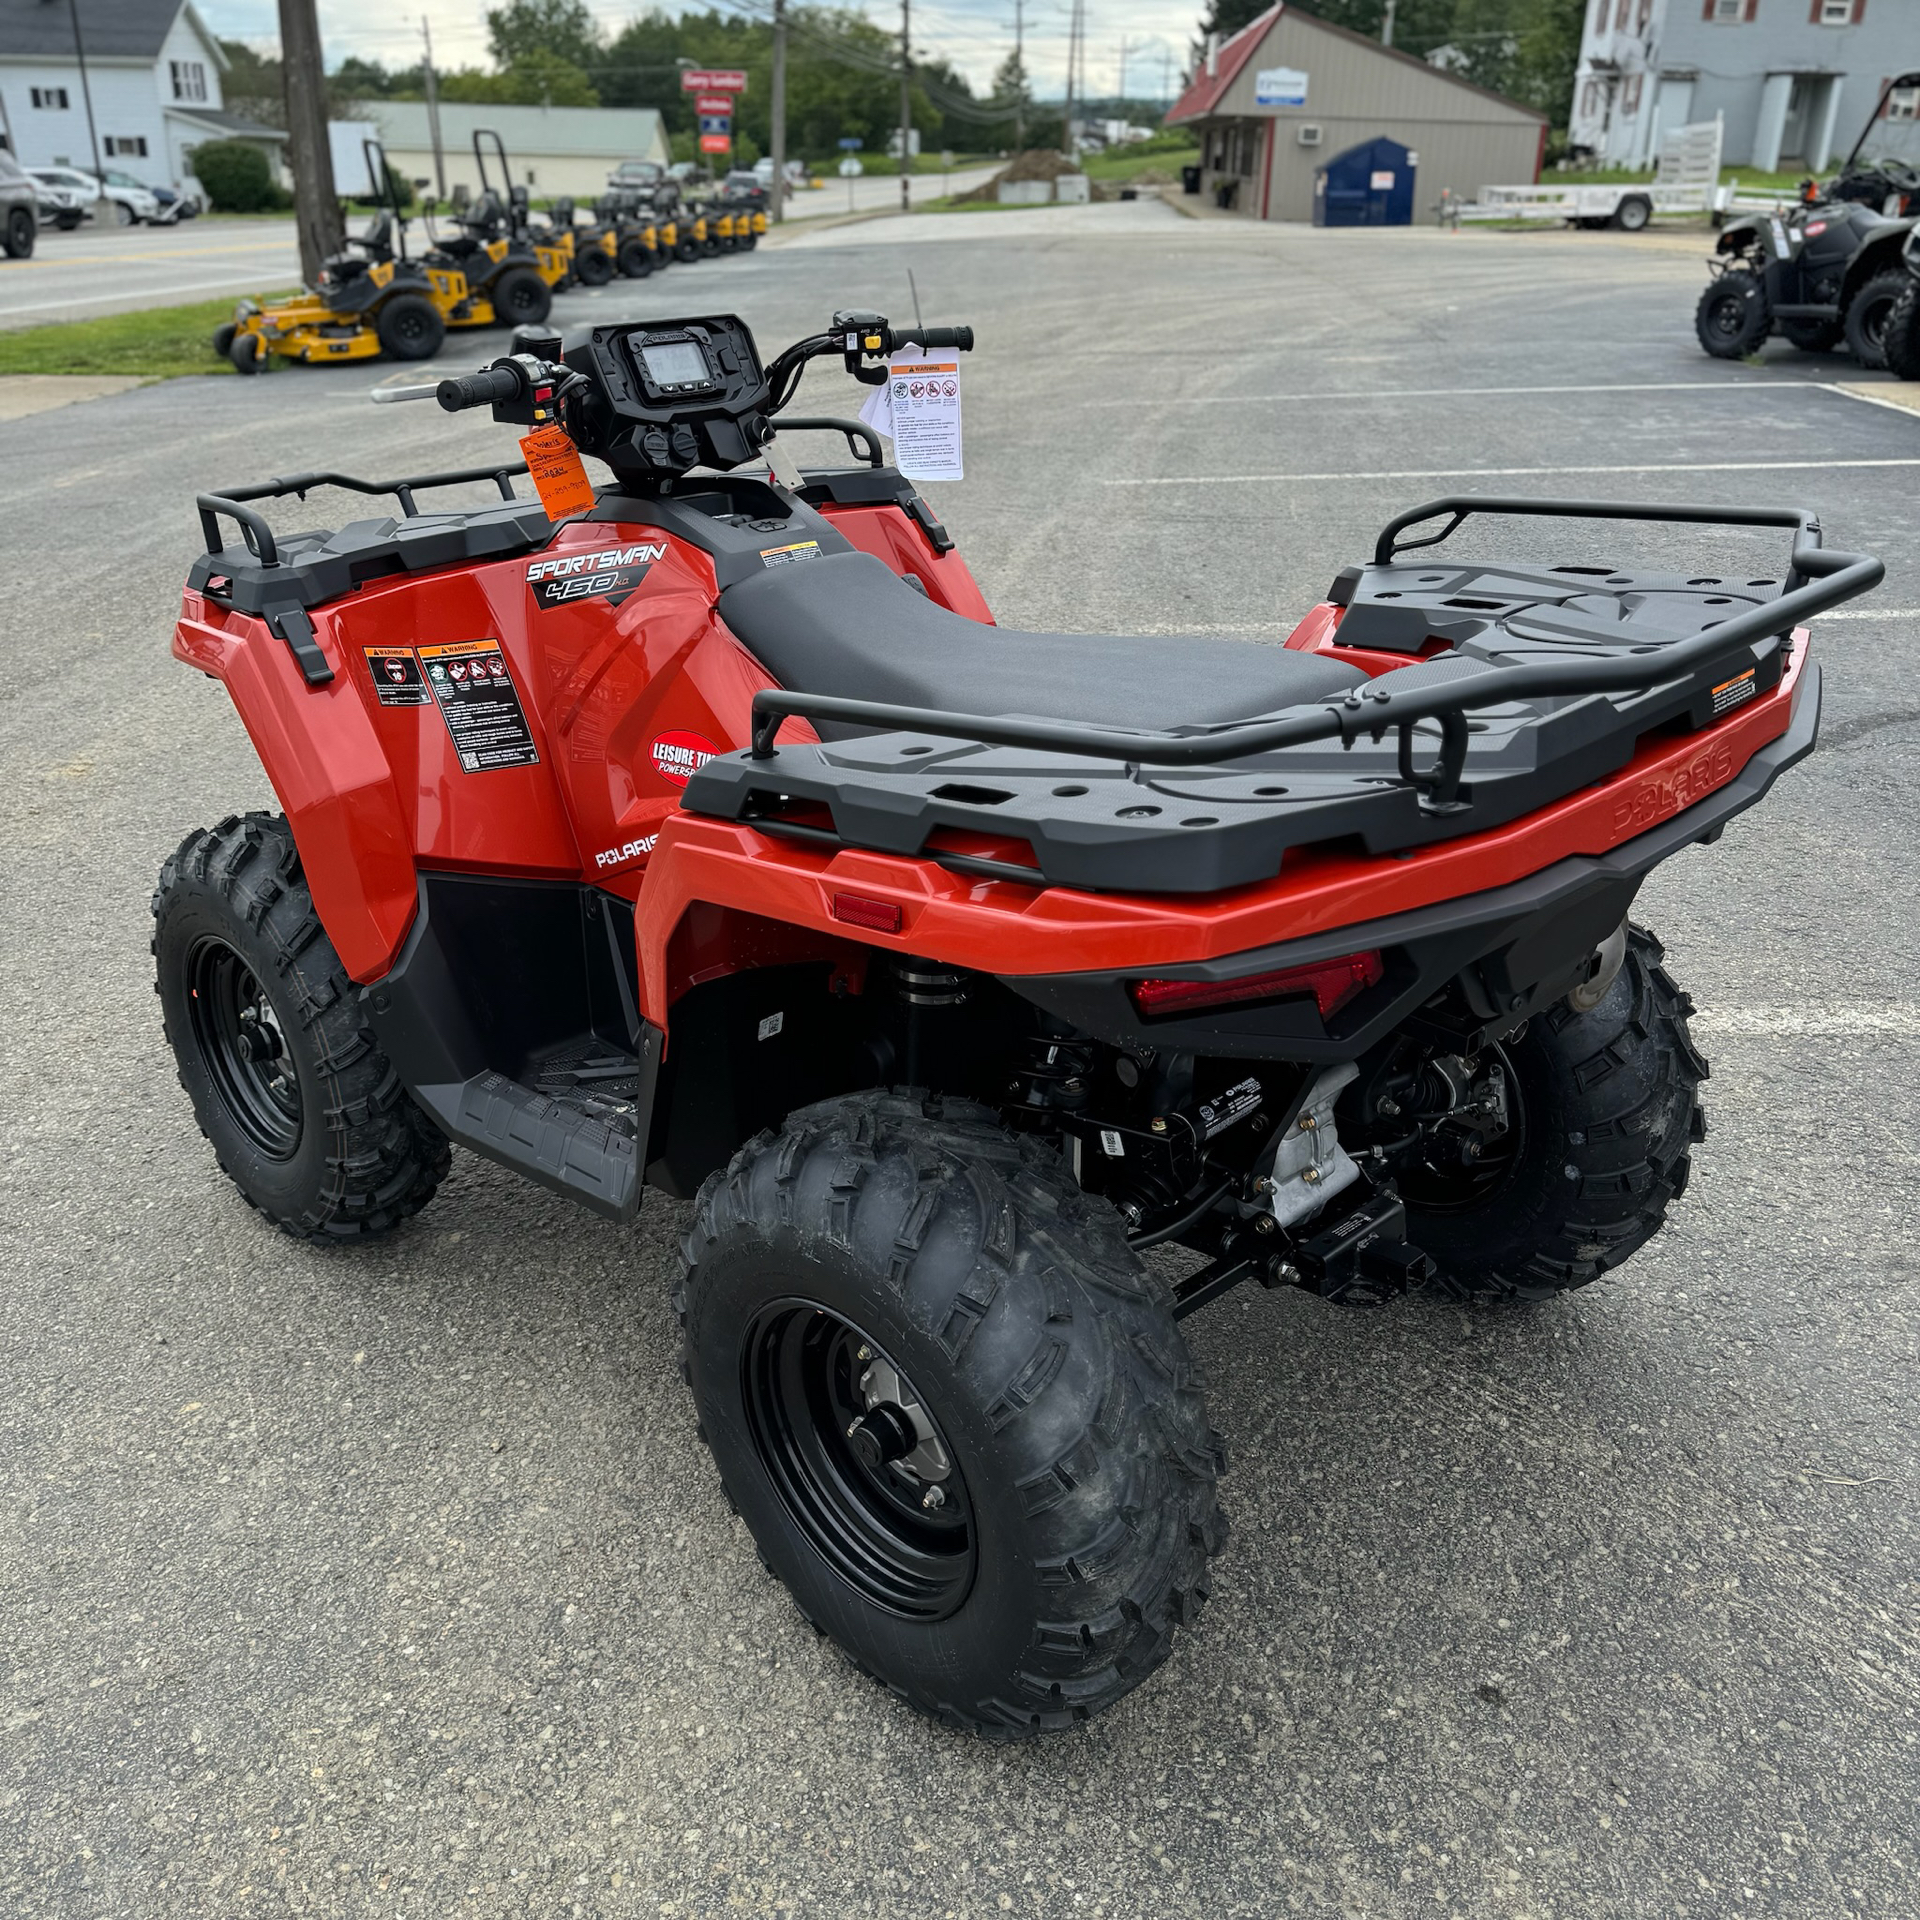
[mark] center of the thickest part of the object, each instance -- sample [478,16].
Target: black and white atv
[1827,271]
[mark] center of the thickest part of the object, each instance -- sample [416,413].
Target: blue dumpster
[1370,185]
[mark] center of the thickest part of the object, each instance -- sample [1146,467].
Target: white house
[552,150]
[138,92]
[1793,81]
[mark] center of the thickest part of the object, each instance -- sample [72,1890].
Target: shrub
[237,178]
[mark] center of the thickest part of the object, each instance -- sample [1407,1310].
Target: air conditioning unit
[1307,135]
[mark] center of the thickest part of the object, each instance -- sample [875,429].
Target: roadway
[94,271]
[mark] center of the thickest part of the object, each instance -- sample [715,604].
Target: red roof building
[1277,103]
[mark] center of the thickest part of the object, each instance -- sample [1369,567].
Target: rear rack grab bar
[857,431]
[1443,688]
[259,536]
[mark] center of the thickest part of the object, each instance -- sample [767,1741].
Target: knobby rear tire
[1902,337]
[1609,1110]
[366,1157]
[1039,1344]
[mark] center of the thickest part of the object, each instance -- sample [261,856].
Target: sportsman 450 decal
[562,578]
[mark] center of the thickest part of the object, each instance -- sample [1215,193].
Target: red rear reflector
[881,916]
[1331,982]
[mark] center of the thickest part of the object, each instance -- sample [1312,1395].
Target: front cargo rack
[1566,670]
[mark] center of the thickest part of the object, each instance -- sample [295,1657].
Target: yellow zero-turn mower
[369,300]
[510,271]
[593,247]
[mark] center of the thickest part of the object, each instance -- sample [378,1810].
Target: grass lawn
[1162,157]
[156,344]
[1748,179]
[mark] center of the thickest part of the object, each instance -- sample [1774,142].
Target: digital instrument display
[675,363]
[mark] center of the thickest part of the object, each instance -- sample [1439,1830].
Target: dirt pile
[1037,163]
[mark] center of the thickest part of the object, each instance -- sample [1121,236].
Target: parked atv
[1827,272]
[1902,336]
[712,837]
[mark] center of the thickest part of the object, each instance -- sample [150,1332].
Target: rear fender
[1879,256]
[326,766]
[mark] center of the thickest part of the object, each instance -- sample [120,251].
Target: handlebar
[479,389]
[960,338]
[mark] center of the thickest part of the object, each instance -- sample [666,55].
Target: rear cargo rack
[1567,669]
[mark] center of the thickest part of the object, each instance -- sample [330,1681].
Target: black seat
[847,625]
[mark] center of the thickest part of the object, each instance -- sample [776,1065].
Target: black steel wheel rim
[1437,1178]
[244,1049]
[901,1532]
[1873,321]
[409,324]
[1727,315]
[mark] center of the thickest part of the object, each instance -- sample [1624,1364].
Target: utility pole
[906,107]
[1020,67]
[433,116]
[86,91]
[316,207]
[1076,28]
[1386,23]
[1123,73]
[779,129]
[1166,73]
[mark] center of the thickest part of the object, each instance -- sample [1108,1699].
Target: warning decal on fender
[480,704]
[396,677]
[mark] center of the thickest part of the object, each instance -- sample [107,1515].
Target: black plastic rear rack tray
[1566,670]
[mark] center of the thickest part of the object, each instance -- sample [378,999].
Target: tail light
[1331,982]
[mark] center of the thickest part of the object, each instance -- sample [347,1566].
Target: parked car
[19,209]
[128,201]
[61,205]
[84,188]
[643,175]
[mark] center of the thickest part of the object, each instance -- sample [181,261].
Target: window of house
[1726,12]
[1837,13]
[52,97]
[189,79]
[1620,15]
[126,146]
[1903,103]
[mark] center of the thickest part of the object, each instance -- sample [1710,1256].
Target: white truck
[1686,180]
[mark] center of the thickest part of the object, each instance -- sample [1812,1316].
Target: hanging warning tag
[553,465]
[918,408]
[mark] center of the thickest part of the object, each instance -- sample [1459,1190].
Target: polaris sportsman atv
[708,835]
[1827,272]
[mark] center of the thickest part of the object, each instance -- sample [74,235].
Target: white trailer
[1686,180]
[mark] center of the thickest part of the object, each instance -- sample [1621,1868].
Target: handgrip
[479,389]
[960,338]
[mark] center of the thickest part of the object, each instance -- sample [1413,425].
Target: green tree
[561,28]
[538,79]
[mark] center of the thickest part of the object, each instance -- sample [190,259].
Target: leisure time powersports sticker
[562,578]
[474,690]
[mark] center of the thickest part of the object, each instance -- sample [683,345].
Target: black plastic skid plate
[1104,825]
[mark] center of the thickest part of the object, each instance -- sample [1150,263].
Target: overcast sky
[975,35]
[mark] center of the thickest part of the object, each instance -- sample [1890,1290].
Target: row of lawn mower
[499,267]
[1841,267]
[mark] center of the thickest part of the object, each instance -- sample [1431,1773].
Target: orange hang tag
[553,464]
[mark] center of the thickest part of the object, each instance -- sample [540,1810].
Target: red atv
[713,838]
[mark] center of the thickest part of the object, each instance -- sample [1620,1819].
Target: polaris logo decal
[632,850]
[563,578]
[677,757]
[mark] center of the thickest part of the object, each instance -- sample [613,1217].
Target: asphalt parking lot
[393,1581]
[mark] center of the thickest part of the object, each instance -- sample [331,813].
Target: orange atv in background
[700,830]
